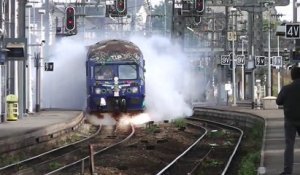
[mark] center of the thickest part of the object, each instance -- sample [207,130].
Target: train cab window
[127,72]
[104,72]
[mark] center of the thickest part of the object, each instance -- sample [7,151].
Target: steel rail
[187,150]
[49,152]
[236,146]
[97,152]
[182,154]
[199,163]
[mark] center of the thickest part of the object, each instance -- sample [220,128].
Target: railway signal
[70,18]
[197,19]
[120,6]
[116,8]
[199,6]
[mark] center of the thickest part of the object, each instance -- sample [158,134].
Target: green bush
[248,164]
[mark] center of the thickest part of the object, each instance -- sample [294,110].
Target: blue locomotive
[115,77]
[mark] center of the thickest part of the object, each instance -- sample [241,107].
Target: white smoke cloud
[168,78]
[65,86]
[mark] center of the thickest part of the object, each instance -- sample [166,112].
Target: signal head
[199,6]
[70,18]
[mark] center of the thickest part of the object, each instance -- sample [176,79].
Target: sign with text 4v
[240,60]
[225,60]
[292,31]
[260,60]
[277,61]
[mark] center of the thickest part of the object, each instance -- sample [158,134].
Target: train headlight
[134,90]
[116,80]
[97,90]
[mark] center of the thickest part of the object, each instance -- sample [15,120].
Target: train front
[115,77]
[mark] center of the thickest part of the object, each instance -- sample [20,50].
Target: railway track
[211,153]
[152,147]
[64,156]
[81,165]
[25,166]
[204,147]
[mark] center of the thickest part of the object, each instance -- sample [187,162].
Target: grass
[8,159]
[216,134]
[249,164]
[251,159]
[152,129]
[54,165]
[179,123]
[211,163]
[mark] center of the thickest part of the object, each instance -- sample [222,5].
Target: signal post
[180,10]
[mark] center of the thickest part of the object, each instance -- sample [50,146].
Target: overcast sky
[287,11]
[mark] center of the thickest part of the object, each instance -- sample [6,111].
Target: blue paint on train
[115,77]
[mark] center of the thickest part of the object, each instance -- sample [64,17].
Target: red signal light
[199,6]
[70,18]
[70,10]
[120,5]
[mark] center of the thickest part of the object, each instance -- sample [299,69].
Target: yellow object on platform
[12,107]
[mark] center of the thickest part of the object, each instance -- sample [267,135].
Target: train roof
[114,51]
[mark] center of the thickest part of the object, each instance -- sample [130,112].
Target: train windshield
[127,72]
[104,72]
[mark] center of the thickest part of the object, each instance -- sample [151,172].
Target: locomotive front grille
[135,100]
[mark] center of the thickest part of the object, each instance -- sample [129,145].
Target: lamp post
[38,68]
[165,9]
[3,53]
[269,5]
[29,62]
[233,57]
[243,38]
[278,72]
[269,57]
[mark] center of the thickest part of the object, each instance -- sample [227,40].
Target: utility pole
[39,64]
[269,55]
[165,13]
[255,37]
[243,38]
[278,72]
[22,64]
[2,85]
[11,34]
[178,25]
[47,27]
[29,64]
[233,10]
[294,11]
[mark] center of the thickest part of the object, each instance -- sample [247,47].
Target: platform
[274,142]
[274,145]
[36,128]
